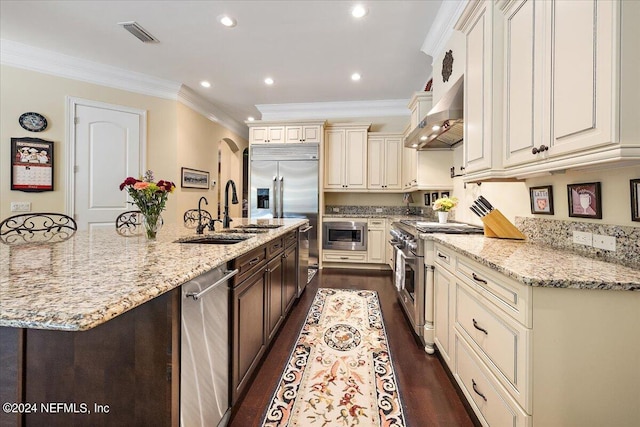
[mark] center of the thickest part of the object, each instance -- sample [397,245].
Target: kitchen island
[90,327]
[536,336]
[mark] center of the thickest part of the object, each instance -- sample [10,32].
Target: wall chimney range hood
[442,127]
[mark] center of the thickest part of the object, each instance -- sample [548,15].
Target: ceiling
[310,48]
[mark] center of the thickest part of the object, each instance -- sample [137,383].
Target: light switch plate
[601,241]
[582,238]
[336,209]
[20,206]
[378,210]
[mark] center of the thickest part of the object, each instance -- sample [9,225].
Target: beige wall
[176,136]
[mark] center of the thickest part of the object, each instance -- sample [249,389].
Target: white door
[108,147]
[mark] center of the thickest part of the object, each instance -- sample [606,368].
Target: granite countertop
[538,265]
[394,217]
[95,276]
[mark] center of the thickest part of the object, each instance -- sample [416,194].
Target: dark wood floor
[429,397]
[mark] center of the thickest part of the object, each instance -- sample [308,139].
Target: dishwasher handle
[227,275]
[304,230]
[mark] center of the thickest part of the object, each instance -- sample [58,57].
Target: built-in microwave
[344,235]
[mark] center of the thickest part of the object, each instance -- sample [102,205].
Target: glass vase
[152,224]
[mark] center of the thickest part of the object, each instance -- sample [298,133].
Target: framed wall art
[31,164]
[635,200]
[434,196]
[427,199]
[444,194]
[585,200]
[541,200]
[193,178]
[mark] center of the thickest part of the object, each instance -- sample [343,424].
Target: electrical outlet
[20,206]
[378,210]
[608,243]
[336,209]
[582,238]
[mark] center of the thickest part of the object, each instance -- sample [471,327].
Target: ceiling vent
[141,34]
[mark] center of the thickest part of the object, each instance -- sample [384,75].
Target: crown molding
[19,55]
[334,110]
[194,101]
[443,27]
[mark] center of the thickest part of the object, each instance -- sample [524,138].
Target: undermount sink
[224,239]
[259,226]
[242,230]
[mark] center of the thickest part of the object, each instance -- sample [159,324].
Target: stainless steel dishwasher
[204,350]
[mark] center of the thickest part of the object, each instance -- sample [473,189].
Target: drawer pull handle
[344,257]
[254,261]
[475,325]
[478,279]
[441,256]
[475,388]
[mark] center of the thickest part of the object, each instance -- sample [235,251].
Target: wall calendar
[31,164]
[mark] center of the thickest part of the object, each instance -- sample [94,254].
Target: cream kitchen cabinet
[536,356]
[345,157]
[271,132]
[376,245]
[560,71]
[420,104]
[409,169]
[384,161]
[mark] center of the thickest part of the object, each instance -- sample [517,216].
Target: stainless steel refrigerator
[284,184]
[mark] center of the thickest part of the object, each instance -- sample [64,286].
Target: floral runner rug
[339,372]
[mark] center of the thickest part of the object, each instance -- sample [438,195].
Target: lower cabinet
[376,248]
[260,303]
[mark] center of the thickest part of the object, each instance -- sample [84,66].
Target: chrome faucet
[200,226]
[234,199]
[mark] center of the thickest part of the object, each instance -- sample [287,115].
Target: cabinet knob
[540,149]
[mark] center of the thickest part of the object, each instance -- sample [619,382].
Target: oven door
[411,293]
[344,235]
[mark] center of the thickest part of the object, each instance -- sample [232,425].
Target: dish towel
[399,276]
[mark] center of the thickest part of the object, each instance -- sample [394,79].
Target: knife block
[496,225]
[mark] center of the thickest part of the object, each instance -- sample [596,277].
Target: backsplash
[380,210]
[559,234]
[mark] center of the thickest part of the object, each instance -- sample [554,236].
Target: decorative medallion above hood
[442,127]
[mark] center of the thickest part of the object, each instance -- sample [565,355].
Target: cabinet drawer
[502,342]
[290,238]
[513,298]
[377,223]
[491,403]
[249,263]
[443,257]
[343,256]
[274,247]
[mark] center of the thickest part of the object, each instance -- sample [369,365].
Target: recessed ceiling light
[359,11]
[355,77]
[414,145]
[227,21]
[435,127]
[205,83]
[250,118]
[268,81]
[423,138]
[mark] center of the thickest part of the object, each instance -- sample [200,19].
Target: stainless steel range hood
[442,127]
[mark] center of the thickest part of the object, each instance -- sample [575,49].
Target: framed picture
[635,200]
[584,200]
[427,199]
[541,200]
[444,194]
[434,197]
[193,178]
[31,164]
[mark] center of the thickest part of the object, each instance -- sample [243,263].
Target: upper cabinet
[385,161]
[285,132]
[549,86]
[345,157]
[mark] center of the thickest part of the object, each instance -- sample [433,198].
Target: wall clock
[33,122]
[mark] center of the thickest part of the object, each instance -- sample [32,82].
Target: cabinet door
[276,134]
[376,154]
[582,52]
[290,278]
[274,296]
[376,246]
[478,99]
[393,162]
[523,45]
[334,159]
[311,134]
[258,134]
[409,168]
[443,316]
[356,159]
[249,336]
[293,134]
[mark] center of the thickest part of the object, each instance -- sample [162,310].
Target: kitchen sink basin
[224,239]
[243,230]
[259,226]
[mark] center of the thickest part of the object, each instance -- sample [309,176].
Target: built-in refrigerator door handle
[275,197]
[281,197]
